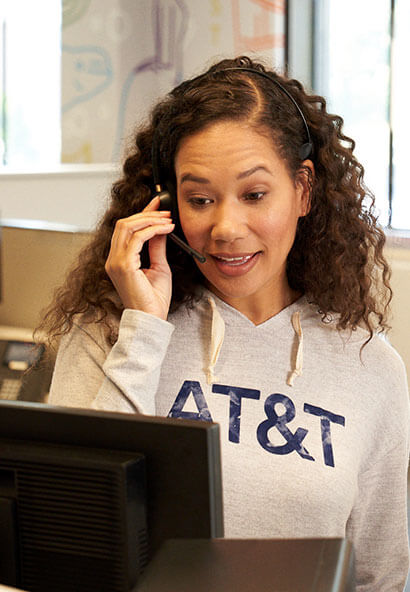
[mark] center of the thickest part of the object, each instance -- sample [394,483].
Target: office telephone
[24,375]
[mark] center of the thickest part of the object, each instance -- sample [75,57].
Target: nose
[229,223]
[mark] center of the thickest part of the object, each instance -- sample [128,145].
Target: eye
[254,195]
[199,202]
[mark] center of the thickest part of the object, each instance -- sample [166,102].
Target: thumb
[157,251]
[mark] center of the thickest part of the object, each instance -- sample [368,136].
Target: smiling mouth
[234,261]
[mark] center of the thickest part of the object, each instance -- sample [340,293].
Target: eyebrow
[244,174]
[248,173]
[194,178]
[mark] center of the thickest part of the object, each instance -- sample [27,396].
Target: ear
[304,182]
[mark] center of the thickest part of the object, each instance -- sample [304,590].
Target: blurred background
[77,77]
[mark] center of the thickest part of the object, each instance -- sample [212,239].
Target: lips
[235,260]
[235,264]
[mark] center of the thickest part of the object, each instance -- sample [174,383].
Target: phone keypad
[10,388]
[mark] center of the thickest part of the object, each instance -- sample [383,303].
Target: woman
[272,333]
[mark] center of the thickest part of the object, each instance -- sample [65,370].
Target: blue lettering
[293,440]
[190,386]
[325,418]
[236,394]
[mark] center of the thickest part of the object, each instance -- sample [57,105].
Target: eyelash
[251,196]
[198,202]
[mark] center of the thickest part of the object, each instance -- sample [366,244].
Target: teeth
[235,259]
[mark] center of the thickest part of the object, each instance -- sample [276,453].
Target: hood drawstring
[218,335]
[217,339]
[297,371]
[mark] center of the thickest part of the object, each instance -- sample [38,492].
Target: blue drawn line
[92,63]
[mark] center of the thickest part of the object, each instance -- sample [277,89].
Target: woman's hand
[150,289]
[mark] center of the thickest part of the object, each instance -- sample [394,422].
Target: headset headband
[305,150]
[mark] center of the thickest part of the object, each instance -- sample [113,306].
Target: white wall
[70,195]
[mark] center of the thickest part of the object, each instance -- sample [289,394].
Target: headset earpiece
[305,151]
[165,201]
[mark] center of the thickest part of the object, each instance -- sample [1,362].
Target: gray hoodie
[314,432]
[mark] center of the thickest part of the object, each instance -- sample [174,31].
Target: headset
[168,200]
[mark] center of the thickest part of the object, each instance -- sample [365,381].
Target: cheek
[192,226]
[278,226]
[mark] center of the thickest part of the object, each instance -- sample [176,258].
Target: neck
[259,309]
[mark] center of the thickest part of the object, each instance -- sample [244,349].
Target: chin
[229,290]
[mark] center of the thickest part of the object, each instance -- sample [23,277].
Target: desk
[237,565]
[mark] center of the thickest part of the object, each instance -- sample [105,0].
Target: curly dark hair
[337,256]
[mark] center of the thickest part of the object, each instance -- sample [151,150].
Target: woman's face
[239,206]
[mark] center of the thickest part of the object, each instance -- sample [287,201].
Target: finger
[126,228]
[136,221]
[138,239]
[122,262]
[132,222]
[124,243]
[153,204]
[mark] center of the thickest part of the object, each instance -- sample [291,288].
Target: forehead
[227,143]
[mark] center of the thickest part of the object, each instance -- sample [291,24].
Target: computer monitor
[79,489]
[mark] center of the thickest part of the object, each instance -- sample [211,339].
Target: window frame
[306,21]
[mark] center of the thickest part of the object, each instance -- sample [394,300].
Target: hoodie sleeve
[124,378]
[378,523]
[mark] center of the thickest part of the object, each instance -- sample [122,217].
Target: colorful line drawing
[169,20]
[89,72]
[272,5]
[262,37]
